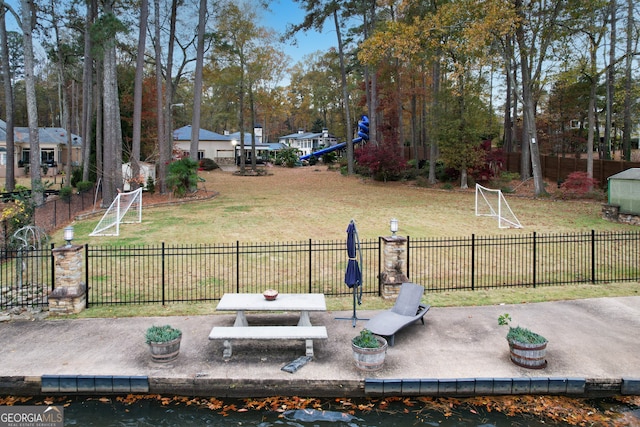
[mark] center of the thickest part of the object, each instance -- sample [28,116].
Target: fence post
[393,274]
[593,256]
[237,266]
[162,275]
[534,259]
[86,271]
[473,262]
[310,270]
[408,258]
[53,268]
[69,296]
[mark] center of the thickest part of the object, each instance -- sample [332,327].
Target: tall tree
[535,33]
[112,170]
[317,12]
[8,99]
[164,158]
[166,145]
[138,88]
[197,85]
[28,24]
[628,95]
[87,89]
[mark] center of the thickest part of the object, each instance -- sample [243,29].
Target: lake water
[178,412]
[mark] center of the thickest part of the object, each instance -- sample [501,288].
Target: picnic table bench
[307,333]
[242,302]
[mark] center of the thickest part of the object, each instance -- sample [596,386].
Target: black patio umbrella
[353,275]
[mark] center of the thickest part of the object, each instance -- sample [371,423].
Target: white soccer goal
[126,208]
[490,202]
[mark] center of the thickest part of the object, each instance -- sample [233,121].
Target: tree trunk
[167,144]
[87,92]
[345,97]
[163,158]
[628,94]
[28,23]
[433,147]
[137,96]
[10,178]
[197,89]
[112,128]
[604,147]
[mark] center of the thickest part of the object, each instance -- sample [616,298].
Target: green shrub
[65,193]
[83,186]
[329,158]
[518,333]
[76,177]
[288,157]
[183,176]
[151,185]
[208,164]
[162,333]
[366,339]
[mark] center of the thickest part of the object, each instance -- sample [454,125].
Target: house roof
[630,174]
[236,136]
[47,135]
[306,135]
[184,134]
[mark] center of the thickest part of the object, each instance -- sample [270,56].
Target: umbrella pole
[353,318]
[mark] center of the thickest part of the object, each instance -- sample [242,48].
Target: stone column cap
[392,239]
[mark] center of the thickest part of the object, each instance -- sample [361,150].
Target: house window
[47,156]
[3,158]
[200,154]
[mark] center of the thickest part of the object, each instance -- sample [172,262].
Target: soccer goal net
[491,202]
[126,208]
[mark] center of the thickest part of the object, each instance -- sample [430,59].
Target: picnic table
[243,302]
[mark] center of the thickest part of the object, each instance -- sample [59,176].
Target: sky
[284,12]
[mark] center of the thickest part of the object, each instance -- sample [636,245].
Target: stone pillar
[394,263]
[69,295]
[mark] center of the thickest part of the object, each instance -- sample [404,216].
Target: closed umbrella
[353,275]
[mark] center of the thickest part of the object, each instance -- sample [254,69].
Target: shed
[147,170]
[624,191]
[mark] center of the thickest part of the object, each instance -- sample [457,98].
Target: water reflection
[178,412]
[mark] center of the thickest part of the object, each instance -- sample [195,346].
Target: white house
[222,148]
[308,142]
[211,145]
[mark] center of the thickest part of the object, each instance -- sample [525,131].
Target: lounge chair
[406,310]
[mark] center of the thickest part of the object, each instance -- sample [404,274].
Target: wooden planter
[163,352]
[370,359]
[530,356]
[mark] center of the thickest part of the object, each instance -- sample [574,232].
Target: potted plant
[369,350]
[164,343]
[527,348]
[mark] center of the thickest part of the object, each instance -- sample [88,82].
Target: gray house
[53,149]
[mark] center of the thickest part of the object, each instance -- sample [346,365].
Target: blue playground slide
[363,135]
[324,151]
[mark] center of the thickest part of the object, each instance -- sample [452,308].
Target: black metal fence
[181,273]
[471,263]
[167,274]
[26,278]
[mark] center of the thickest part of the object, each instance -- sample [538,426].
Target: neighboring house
[308,142]
[211,145]
[221,148]
[53,149]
